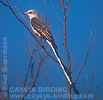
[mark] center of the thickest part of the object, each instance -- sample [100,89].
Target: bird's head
[31,13]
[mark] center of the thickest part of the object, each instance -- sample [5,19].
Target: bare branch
[34,81]
[4,3]
[75,65]
[58,2]
[2,95]
[16,78]
[25,82]
[67,4]
[20,13]
[50,83]
[96,92]
[89,90]
[65,37]
[45,12]
[88,51]
[56,13]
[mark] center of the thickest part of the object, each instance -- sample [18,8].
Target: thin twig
[75,65]
[50,83]
[87,55]
[65,37]
[96,92]
[4,3]
[56,13]
[2,94]
[28,69]
[33,84]
[89,90]
[45,12]
[58,2]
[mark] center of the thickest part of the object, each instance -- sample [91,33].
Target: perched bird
[42,30]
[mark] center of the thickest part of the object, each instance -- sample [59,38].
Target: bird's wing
[41,28]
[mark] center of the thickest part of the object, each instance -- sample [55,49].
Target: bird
[42,30]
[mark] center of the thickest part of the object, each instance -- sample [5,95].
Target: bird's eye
[30,12]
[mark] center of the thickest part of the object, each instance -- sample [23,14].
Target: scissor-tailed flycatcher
[42,30]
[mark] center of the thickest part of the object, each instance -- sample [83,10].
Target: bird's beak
[25,13]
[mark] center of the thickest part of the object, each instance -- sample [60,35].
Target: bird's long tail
[63,67]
